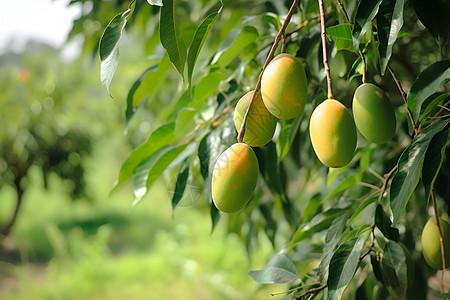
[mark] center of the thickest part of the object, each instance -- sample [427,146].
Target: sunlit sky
[44,20]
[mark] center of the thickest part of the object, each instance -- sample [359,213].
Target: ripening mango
[333,133]
[284,88]
[234,178]
[260,125]
[431,246]
[374,114]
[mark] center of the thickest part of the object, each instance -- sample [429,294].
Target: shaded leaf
[198,40]
[343,266]
[131,109]
[367,9]
[280,269]
[409,169]
[384,224]
[431,103]
[180,184]
[427,83]
[109,46]
[342,36]
[434,158]
[394,270]
[171,38]
[158,139]
[356,70]
[287,134]
[389,22]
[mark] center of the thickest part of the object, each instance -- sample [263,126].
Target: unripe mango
[374,114]
[333,133]
[431,246]
[234,178]
[260,125]
[284,88]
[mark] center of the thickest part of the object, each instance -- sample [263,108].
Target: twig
[372,242]
[268,60]
[344,12]
[441,239]
[324,49]
[313,290]
[403,93]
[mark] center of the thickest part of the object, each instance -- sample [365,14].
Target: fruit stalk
[441,239]
[268,59]
[324,49]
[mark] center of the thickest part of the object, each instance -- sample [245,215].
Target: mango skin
[431,247]
[234,178]
[260,125]
[284,87]
[374,114]
[333,133]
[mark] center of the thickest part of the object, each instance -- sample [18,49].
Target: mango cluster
[333,128]
[283,96]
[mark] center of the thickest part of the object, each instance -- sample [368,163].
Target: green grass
[105,249]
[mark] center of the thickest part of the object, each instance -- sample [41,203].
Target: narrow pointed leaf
[171,38]
[342,36]
[394,270]
[427,83]
[287,134]
[366,12]
[410,168]
[180,185]
[431,103]
[384,224]
[280,269]
[246,36]
[343,266]
[198,40]
[109,47]
[389,22]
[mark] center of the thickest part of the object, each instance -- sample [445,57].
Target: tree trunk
[8,225]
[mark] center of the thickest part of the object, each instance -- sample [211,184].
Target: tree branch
[268,60]
[8,225]
[344,12]
[324,49]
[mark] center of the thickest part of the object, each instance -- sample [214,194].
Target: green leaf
[366,12]
[342,36]
[356,70]
[430,104]
[389,22]
[150,169]
[158,139]
[207,87]
[109,46]
[394,270]
[246,36]
[433,160]
[287,134]
[343,266]
[155,2]
[384,224]
[215,215]
[198,40]
[427,83]
[409,169]
[131,109]
[171,38]
[269,167]
[342,181]
[180,185]
[280,269]
[185,123]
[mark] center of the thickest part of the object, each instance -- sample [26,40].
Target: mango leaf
[246,36]
[409,168]
[280,269]
[155,2]
[287,134]
[427,83]
[389,22]
[171,38]
[343,266]
[367,9]
[131,109]
[342,181]
[394,270]
[433,160]
[149,170]
[109,46]
[207,87]
[356,70]
[430,104]
[198,40]
[180,184]
[215,215]
[158,139]
[384,224]
[342,36]
[185,122]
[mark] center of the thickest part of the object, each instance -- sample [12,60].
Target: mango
[374,114]
[234,178]
[431,246]
[260,125]
[333,133]
[284,87]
